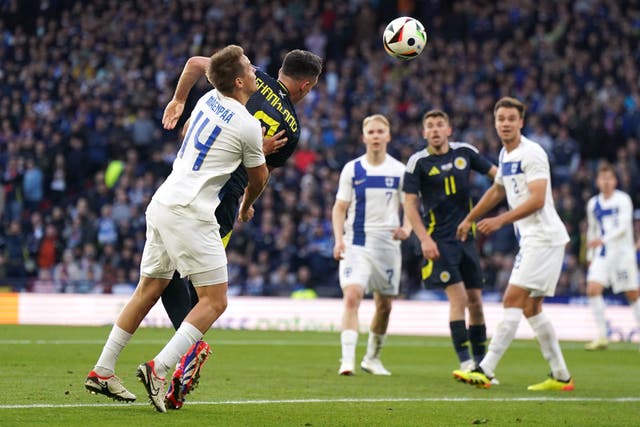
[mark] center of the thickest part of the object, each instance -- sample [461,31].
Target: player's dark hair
[509,102]
[225,67]
[301,64]
[435,113]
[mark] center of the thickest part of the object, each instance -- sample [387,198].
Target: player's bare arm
[338,215]
[195,68]
[427,244]
[537,193]
[494,195]
[258,177]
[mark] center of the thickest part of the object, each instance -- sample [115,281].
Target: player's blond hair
[376,118]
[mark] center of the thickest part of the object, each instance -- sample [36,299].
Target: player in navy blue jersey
[274,106]
[439,176]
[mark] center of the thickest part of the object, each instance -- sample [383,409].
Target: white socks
[349,340]
[182,340]
[117,340]
[550,346]
[374,345]
[597,307]
[505,332]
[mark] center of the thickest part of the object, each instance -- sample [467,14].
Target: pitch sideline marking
[345,400]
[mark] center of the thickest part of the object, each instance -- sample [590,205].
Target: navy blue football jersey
[272,106]
[442,182]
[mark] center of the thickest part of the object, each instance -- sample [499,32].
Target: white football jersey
[516,169]
[375,195]
[221,135]
[611,220]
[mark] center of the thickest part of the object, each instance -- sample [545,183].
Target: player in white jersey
[611,250]
[367,232]
[182,232]
[524,179]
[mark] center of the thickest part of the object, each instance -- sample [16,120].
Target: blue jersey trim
[359,185]
[511,168]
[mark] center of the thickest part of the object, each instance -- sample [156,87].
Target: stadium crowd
[83,85]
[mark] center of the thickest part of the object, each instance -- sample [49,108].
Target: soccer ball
[404,38]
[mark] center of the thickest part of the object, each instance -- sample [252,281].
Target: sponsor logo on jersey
[460,163]
[348,271]
[445,276]
[446,166]
[359,182]
[434,171]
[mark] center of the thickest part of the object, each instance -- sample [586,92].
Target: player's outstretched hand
[273,143]
[246,213]
[463,230]
[489,225]
[172,113]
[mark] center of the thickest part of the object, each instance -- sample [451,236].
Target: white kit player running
[611,250]
[182,232]
[367,232]
[524,179]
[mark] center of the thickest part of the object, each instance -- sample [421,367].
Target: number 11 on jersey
[449,185]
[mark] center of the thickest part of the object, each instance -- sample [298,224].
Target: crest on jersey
[460,163]
[388,181]
[445,276]
[348,271]
[514,168]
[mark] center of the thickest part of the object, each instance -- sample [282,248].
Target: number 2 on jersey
[203,148]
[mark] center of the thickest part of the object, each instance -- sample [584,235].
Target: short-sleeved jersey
[275,111]
[374,194]
[516,169]
[442,182]
[611,220]
[222,134]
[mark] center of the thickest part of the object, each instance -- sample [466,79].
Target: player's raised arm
[195,68]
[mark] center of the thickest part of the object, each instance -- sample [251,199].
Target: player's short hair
[604,166]
[301,64]
[225,67]
[436,113]
[376,118]
[509,102]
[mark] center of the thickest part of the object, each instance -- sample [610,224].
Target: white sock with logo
[182,340]
[505,332]
[550,346]
[375,344]
[117,340]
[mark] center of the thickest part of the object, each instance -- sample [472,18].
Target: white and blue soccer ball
[404,38]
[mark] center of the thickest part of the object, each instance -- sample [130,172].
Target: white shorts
[618,271]
[537,269]
[375,270]
[180,242]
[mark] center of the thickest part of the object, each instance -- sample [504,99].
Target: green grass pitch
[259,378]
